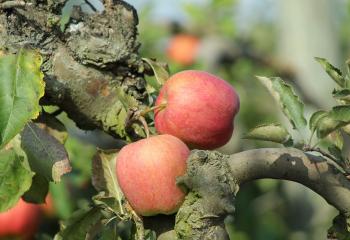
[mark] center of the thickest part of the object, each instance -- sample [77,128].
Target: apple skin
[200,109]
[48,207]
[21,221]
[182,49]
[147,171]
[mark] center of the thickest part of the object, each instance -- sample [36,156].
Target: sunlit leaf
[289,102]
[21,87]
[316,116]
[269,132]
[161,73]
[338,117]
[332,71]
[342,95]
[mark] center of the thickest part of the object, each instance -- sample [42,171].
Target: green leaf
[161,73]
[335,138]
[269,132]
[106,202]
[332,71]
[127,100]
[15,178]
[21,87]
[46,155]
[338,117]
[316,116]
[81,223]
[38,190]
[290,103]
[104,178]
[342,95]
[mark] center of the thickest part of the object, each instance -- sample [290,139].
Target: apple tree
[85,63]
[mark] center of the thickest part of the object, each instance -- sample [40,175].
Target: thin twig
[332,160]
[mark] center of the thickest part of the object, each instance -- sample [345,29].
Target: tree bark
[85,63]
[214,179]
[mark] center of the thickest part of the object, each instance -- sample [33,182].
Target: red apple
[183,48]
[147,171]
[48,207]
[20,221]
[199,109]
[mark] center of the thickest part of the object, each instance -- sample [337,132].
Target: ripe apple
[147,171]
[48,207]
[20,221]
[198,108]
[183,48]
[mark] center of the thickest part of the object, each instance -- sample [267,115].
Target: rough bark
[214,179]
[85,64]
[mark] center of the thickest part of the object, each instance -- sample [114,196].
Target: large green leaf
[289,102]
[15,178]
[21,87]
[338,117]
[46,155]
[269,132]
[343,95]
[332,71]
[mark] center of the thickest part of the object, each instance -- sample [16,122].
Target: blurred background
[236,40]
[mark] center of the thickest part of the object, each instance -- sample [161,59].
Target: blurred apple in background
[182,49]
[21,221]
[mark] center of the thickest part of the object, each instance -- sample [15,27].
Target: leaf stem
[332,160]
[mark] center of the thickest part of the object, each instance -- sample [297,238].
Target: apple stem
[144,124]
[154,108]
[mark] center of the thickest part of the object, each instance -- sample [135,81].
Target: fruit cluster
[195,110]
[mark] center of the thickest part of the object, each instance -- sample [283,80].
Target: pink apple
[199,109]
[20,221]
[147,171]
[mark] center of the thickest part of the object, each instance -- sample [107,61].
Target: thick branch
[292,164]
[85,63]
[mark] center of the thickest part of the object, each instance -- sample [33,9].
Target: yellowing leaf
[21,87]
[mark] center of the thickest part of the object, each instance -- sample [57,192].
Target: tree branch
[13,4]
[292,164]
[84,64]
[213,180]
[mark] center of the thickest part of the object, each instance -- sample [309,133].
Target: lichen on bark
[210,199]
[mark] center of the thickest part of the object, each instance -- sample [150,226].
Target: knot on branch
[211,198]
[104,40]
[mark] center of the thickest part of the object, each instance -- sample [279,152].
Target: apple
[198,108]
[48,207]
[20,221]
[147,171]
[183,48]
